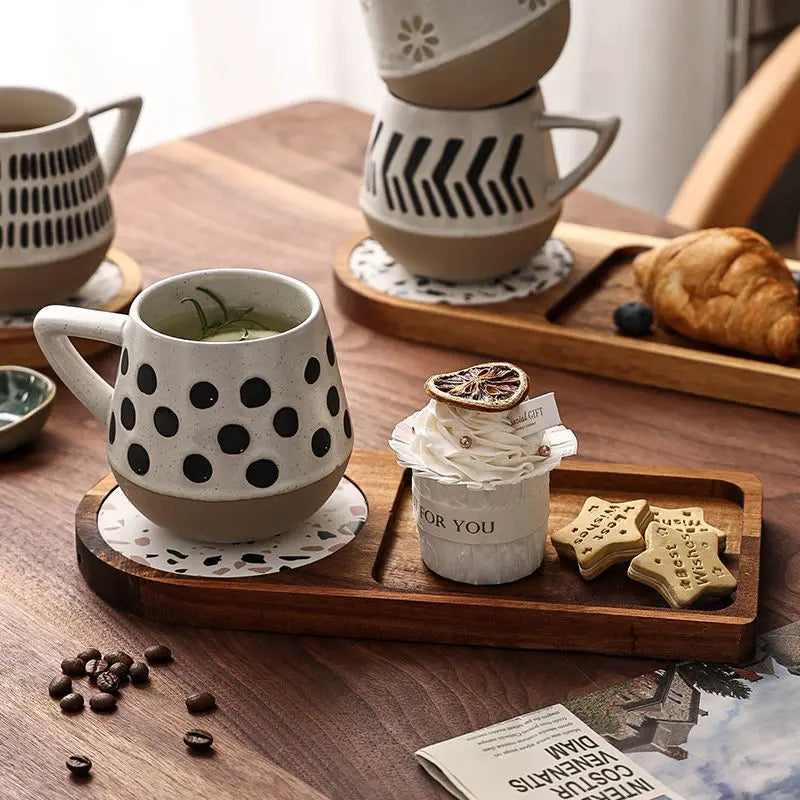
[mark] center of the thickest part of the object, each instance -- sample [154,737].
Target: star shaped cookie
[689,519]
[603,534]
[681,566]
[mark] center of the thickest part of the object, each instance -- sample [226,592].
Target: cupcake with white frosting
[481,461]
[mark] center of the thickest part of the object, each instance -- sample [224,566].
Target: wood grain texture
[343,716]
[18,345]
[570,325]
[377,587]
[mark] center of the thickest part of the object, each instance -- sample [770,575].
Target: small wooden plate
[378,587]
[18,345]
[570,326]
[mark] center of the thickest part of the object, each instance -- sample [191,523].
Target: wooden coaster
[376,585]
[104,291]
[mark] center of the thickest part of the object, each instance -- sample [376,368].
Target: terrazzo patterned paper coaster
[372,265]
[95,293]
[125,530]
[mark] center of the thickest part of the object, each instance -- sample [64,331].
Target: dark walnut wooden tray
[377,586]
[570,326]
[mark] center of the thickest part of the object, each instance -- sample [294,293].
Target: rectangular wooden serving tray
[377,586]
[570,326]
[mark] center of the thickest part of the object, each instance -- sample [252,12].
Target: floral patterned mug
[465,53]
[214,440]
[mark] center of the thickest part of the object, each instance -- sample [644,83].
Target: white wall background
[200,63]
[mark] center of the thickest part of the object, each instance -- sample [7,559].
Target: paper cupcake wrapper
[560,439]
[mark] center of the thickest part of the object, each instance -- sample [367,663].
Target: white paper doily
[125,530]
[96,292]
[371,264]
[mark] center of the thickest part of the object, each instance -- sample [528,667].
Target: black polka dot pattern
[165,421]
[334,404]
[146,379]
[312,371]
[197,468]
[124,362]
[262,473]
[331,353]
[233,439]
[255,392]
[112,429]
[203,395]
[127,414]
[347,426]
[138,459]
[285,422]
[320,442]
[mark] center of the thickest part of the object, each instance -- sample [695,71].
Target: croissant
[727,286]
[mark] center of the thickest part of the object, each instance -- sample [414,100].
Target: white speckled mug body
[205,420]
[198,429]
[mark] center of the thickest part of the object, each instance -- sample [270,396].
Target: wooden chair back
[747,152]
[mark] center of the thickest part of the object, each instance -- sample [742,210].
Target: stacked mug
[460,179]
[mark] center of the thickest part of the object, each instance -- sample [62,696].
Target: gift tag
[535,415]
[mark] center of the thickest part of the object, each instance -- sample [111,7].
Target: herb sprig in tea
[231,320]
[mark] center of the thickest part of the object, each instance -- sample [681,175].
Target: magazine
[693,730]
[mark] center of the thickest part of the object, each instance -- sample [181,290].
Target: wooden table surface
[305,717]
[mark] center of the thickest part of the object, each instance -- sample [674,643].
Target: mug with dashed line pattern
[56,219]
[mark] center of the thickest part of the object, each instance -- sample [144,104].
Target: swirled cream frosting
[476,446]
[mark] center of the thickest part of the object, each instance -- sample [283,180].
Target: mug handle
[54,325]
[606,129]
[114,151]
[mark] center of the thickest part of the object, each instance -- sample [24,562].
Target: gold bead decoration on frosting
[543,450]
[465,442]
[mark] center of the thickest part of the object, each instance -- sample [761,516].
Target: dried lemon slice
[495,386]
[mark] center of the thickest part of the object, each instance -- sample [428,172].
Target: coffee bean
[120,669]
[79,765]
[198,740]
[139,672]
[73,667]
[95,667]
[108,682]
[158,653]
[202,701]
[88,655]
[60,685]
[102,701]
[72,702]
[117,658]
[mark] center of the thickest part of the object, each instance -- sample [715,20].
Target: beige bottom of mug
[37,285]
[494,74]
[463,258]
[231,520]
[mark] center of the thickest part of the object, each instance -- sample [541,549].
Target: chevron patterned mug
[469,195]
[464,53]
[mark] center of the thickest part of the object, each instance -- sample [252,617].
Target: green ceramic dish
[26,398]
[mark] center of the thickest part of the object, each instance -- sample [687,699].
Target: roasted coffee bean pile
[109,672]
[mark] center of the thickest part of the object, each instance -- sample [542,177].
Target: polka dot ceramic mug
[215,440]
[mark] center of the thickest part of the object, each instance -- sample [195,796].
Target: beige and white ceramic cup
[469,195]
[465,53]
[216,441]
[56,222]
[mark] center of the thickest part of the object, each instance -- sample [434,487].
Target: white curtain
[199,63]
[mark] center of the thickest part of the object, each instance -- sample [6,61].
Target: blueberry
[633,319]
